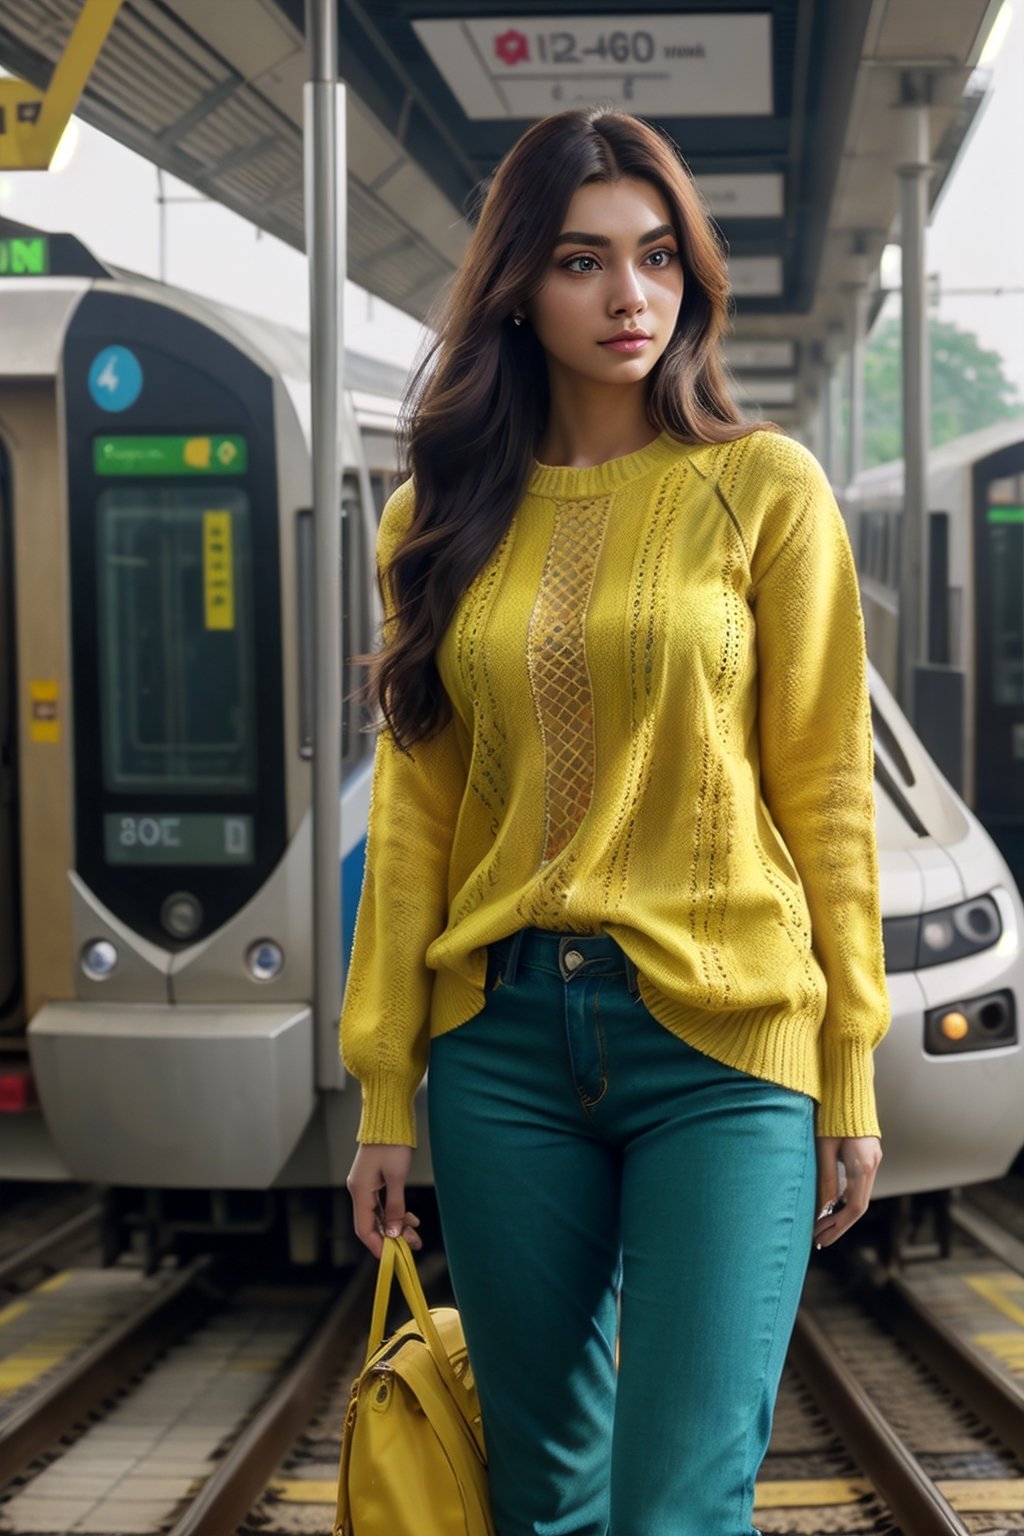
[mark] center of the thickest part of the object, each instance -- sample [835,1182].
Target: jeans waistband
[561,954]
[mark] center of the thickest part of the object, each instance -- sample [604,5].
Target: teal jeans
[599,1181]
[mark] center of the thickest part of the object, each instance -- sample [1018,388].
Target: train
[973,675]
[158,1035]
[157,1029]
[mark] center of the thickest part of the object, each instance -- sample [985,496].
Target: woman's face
[615,267]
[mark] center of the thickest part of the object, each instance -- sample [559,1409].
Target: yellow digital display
[218,571]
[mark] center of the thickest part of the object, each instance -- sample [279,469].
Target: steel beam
[325,182]
[914,173]
[859,302]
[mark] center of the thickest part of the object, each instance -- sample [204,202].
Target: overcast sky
[107,196]
[976,239]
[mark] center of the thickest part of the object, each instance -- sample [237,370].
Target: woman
[621,876]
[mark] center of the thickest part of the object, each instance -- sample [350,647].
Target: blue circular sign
[115,379]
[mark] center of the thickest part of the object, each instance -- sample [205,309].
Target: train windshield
[176,641]
[1005,527]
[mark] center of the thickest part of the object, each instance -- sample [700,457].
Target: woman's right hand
[380,1168]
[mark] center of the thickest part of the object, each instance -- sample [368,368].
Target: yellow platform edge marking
[50,1346]
[810,1492]
[1006,1349]
[55,1281]
[19,1371]
[983,1494]
[993,1288]
[976,1495]
[804,1494]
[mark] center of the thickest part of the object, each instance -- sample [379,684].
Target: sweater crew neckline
[570,480]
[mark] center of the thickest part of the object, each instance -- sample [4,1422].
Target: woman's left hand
[860,1156]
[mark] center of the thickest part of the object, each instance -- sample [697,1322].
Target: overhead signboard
[777,355]
[756,276]
[743,197]
[32,121]
[768,391]
[666,64]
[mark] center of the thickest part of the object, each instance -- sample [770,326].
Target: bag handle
[397,1255]
[385,1275]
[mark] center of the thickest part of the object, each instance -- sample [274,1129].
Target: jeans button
[572,959]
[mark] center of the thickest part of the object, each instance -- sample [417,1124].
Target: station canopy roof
[787,112]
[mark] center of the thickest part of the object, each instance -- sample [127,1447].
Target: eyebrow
[576,237]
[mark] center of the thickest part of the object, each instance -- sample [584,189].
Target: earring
[518,319]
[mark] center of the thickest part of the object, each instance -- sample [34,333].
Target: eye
[669,257]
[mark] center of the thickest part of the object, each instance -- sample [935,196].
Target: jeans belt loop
[632,980]
[511,965]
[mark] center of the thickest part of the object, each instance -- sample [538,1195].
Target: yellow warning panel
[1004,1292]
[43,710]
[56,1282]
[218,571]
[305,1490]
[1007,1348]
[981,1495]
[810,1492]
[806,1493]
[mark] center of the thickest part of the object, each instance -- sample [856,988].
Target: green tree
[969,388]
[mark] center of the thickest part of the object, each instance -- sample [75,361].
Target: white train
[157,1032]
[949,1073]
[975,604]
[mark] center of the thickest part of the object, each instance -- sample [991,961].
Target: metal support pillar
[817,423]
[831,349]
[914,172]
[325,207]
[859,302]
[834,397]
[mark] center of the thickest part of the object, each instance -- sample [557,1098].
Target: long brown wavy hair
[477,404]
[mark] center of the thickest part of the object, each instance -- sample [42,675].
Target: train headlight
[971,1024]
[954,1025]
[265,960]
[957,931]
[950,933]
[99,958]
[937,933]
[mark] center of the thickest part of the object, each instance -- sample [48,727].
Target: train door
[999,650]
[11,1016]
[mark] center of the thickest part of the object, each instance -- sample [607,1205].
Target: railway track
[173,1419]
[43,1233]
[915,1370]
[900,1410]
[868,1436]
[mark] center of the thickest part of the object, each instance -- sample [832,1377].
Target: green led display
[1005,514]
[170,455]
[25,258]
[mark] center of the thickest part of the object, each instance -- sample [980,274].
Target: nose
[631,298]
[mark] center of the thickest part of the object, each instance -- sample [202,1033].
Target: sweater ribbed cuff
[847,1105]
[388,1116]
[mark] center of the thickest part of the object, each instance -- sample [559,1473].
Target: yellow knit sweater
[662,731]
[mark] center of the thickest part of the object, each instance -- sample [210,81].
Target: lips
[628,346]
[626,336]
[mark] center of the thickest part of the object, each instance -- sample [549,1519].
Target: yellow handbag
[413,1461]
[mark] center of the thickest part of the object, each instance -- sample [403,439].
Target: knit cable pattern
[660,730]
